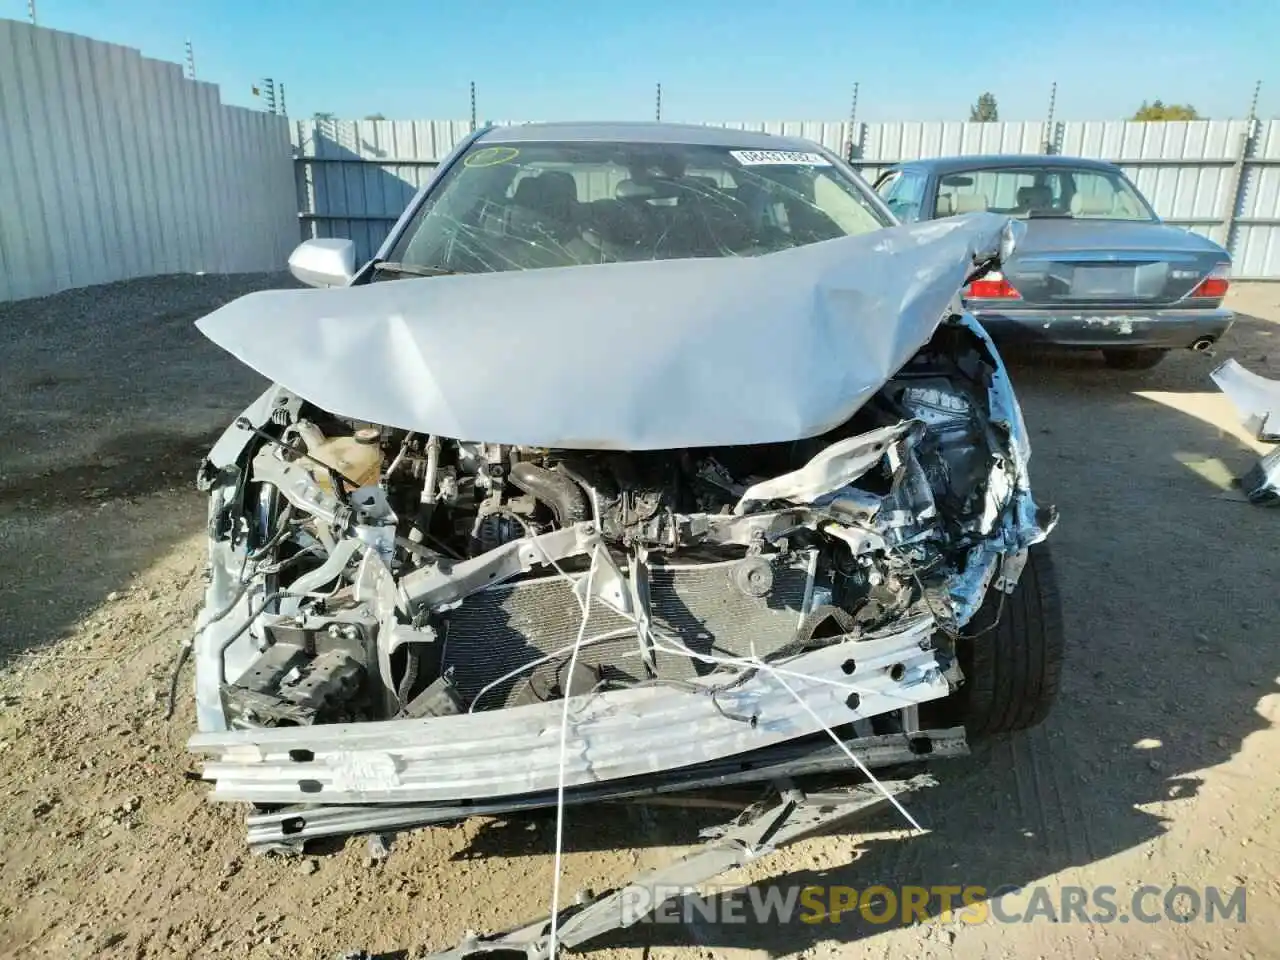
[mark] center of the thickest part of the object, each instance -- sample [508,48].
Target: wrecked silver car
[728,489]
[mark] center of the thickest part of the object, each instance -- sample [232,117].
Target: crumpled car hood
[631,356]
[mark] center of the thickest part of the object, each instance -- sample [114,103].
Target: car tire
[1012,669]
[1133,358]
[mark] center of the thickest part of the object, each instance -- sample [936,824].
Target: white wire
[845,748]
[564,742]
[596,638]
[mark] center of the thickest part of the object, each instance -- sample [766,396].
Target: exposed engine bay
[369,573]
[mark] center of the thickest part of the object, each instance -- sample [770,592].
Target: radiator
[502,628]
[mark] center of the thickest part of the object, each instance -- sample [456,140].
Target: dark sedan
[1096,269]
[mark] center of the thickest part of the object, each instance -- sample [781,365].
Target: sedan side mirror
[324,263]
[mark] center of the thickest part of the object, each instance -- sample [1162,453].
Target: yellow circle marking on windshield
[491,157]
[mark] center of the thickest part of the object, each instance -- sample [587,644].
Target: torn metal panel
[1256,398]
[1262,483]
[833,468]
[671,353]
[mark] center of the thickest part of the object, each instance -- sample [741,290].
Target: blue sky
[716,59]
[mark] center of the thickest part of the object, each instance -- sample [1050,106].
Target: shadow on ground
[111,398]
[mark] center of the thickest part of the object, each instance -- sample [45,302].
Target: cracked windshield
[525,206]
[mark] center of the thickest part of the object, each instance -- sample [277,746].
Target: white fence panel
[117,166]
[355,177]
[113,165]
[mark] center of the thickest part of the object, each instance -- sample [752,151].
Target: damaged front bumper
[625,733]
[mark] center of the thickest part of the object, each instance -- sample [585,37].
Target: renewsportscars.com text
[968,903]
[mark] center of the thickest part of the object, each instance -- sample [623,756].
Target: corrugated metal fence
[1219,177]
[114,166]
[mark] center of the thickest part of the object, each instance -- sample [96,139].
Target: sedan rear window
[528,205]
[1078,192]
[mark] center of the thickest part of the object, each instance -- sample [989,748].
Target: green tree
[1159,110]
[985,110]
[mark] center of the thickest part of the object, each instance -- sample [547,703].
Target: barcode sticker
[752,158]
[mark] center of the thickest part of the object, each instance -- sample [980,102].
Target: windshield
[1078,192]
[528,205]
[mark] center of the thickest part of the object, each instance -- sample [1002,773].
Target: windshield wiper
[413,269]
[1049,215]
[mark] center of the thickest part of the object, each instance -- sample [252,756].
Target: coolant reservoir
[357,457]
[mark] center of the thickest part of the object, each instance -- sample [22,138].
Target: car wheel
[1012,669]
[1133,358]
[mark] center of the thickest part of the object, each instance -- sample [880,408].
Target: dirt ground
[1158,765]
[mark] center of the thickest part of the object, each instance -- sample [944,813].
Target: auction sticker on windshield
[752,158]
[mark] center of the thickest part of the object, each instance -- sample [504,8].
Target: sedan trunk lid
[1064,261]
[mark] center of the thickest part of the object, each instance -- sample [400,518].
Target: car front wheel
[1012,665]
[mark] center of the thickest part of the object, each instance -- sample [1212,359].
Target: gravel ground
[111,397]
[1157,765]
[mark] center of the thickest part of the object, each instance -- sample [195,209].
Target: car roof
[945,165]
[618,132]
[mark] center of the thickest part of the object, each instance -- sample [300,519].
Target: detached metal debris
[1258,401]
[759,830]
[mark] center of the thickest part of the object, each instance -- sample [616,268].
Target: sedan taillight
[992,287]
[1214,285]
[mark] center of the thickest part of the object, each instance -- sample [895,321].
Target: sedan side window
[904,195]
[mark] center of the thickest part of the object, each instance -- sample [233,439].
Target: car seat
[552,194]
[1035,199]
[970,202]
[1092,205]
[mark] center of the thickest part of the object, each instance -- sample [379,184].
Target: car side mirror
[324,262]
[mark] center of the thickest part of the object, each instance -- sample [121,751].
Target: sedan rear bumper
[1162,329]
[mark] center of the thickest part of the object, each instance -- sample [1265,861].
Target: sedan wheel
[1011,655]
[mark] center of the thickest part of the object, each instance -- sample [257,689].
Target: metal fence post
[1239,170]
[1050,129]
[851,145]
[1238,182]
